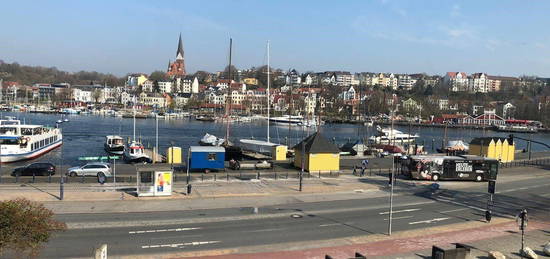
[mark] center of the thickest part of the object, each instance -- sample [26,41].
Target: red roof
[454,74]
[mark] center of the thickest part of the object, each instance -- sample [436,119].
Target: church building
[177,68]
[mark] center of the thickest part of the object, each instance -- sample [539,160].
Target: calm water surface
[84,135]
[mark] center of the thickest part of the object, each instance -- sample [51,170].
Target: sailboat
[231,152]
[260,146]
[135,152]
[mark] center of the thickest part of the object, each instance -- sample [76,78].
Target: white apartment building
[478,83]
[165,87]
[406,82]
[457,81]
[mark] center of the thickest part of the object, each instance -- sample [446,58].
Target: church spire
[179,53]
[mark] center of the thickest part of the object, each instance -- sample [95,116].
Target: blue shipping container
[202,157]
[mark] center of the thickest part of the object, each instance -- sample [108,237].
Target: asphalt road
[414,208]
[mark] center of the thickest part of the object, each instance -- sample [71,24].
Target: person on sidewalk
[364,165]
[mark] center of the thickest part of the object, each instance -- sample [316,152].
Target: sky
[498,37]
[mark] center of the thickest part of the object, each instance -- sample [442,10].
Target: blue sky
[497,37]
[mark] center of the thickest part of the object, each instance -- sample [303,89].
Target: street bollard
[275,175]
[189,189]
[287,175]
[16,177]
[258,175]
[215,176]
[319,174]
[33,177]
[202,177]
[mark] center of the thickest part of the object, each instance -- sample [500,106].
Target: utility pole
[268,85]
[303,162]
[156,138]
[61,179]
[392,179]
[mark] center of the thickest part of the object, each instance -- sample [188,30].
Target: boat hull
[117,150]
[10,158]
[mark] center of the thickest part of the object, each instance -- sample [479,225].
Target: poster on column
[163,183]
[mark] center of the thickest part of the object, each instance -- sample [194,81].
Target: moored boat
[114,144]
[21,141]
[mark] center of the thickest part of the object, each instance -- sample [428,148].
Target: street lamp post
[62,178]
[392,181]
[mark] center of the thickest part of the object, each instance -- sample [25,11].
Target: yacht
[516,128]
[387,136]
[135,153]
[114,144]
[211,140]
[22,141]
[288,119]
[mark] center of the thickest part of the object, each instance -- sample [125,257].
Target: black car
[37,169]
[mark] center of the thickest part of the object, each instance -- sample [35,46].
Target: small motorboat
[114,145]
[135,153]
[211,140]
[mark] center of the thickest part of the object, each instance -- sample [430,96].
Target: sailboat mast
[268,85]
[229,100]
[134,108]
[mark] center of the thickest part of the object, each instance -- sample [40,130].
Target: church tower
[177,68]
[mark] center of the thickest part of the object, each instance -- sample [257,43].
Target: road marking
[176,245]
[404,217]
[162,230]
[461,204]
[524,188]
[428,221]
[398,211]
[331,224]
[447,211]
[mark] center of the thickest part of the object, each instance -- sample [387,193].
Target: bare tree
[25,226]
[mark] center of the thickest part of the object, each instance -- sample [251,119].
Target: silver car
[91,169]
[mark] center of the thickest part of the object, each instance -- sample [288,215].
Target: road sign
[492,187]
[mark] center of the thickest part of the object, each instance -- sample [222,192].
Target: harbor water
[84,135]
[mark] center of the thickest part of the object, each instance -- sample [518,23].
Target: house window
[211,156]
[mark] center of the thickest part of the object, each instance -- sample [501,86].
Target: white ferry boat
[21,141]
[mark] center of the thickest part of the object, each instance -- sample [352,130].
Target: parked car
[91,169]
[43,169]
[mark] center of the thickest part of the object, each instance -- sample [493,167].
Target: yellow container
[173,155]
[279,153]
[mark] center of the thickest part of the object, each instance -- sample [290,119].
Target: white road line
[461,204]
[428,221]
[162,230]
[331,224]
[404,217]
[398,211]
[447,211]
[176,245]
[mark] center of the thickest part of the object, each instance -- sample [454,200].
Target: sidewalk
[501,235]
[90,198]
